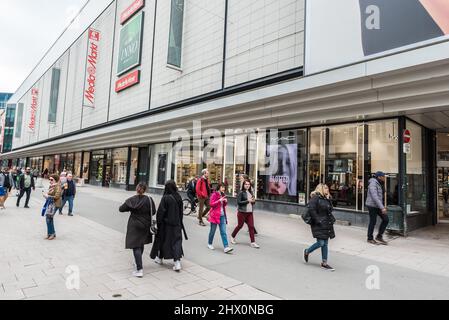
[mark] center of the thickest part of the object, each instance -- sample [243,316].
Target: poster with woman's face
[282,178]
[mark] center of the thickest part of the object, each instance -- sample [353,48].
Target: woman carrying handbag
[140,229]
[53,202]
[321,220]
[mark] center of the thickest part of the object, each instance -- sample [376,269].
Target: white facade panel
[99,114]
[134,99]
[263,38]
[202,52]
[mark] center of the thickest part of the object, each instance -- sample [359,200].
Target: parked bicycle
[187,205]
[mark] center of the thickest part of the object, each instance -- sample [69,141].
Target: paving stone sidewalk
[34,268]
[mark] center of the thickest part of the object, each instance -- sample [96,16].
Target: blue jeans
[50,226]
[68,199]
[213,229]
[324,245]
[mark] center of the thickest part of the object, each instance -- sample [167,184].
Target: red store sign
[33,109]
[131,10]
[127,81]
[91,68]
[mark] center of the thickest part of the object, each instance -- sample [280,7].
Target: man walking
[68,194]
[375,203]
[191,192]
[26,183]
[203,191]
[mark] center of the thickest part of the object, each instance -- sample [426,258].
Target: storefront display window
[119,166]
[86,166]
[133,167]
[416,177]
[70,162]
[229,154]
[97,168]
[316,158]
[186,166]
[77,165]
[160,164]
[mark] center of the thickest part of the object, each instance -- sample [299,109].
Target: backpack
[7,183]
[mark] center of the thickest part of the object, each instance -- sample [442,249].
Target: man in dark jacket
[26,183]
[191,192]
[376,207]
[68,194]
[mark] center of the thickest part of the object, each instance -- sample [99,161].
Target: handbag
[307,217]
[153,227]
[2,191]
[49,209]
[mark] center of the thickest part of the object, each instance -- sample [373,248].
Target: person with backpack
[319,216]
[203,192]
[168,242]
[191,192]
[138,233]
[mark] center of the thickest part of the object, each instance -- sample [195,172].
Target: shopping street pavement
[416,267]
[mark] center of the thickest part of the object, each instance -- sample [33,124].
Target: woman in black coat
[320,210]
[142,209]
[168,242]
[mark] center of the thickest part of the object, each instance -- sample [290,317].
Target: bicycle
[187,206]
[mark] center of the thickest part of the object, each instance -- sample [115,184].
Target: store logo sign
[91,68]
[33,109]
[130,45]
[131,10]
[127,81]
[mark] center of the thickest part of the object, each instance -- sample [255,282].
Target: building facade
[158,90]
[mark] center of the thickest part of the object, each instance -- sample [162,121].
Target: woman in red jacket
[218,218]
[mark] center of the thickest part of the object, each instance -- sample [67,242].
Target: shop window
[70,162]
[282,161]
[186,166]
[77,165]
[213,159]
[316,158]
[134,166]
[97,168]
[119,166]
[54,95]
[86,166]
[417,176]
[20,109]
[160,164]
[229,154]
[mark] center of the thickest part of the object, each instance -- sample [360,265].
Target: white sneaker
[233,241]
[211,247]
[138,274]
[228,250]
[158,261]
[177,266]
[255,245]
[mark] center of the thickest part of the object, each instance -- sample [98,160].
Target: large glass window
[77,165]
[416,171]
[282,162]
[97,168]
[186,166]
[229,154]
[316,157]
[134,166]
[86,166]
[70,162]
[119,166]
[176,30]
[20,110]
[160,164]
[54,95]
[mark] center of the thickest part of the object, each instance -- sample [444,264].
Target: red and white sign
[131,10]
[127,81]
[407,136]
[33,109]
[91,68]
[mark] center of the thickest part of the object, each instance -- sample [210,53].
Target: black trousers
[373,214]
[138,253]
[22,193]
[192,199]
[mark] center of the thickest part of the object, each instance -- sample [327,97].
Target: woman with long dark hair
[246,202]
[142,209]
[168,242]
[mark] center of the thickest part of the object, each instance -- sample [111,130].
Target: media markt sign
[33,110]
[130,45]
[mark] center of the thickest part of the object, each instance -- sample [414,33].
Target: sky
[27,30]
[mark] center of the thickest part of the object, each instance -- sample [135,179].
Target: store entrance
[443,177]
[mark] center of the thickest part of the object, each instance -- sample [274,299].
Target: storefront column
[402,171]
[128,169]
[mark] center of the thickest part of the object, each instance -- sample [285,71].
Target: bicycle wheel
[187,207]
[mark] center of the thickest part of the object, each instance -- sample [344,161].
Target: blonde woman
[320,210]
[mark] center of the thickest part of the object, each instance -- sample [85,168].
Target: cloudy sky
[27,30]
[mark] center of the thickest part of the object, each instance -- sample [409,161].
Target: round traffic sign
[407,136]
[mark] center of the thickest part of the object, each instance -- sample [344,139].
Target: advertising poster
[130,45]
[344,32]
[282,174]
